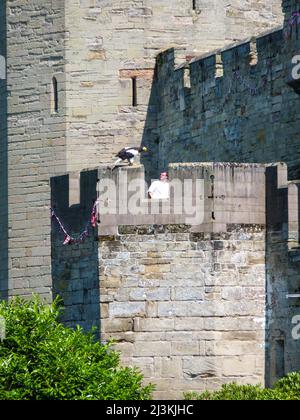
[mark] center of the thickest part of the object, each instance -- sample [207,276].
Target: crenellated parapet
[205,196]
[146,277]
[250,59]
[219,194]
[184,296]
[232,104]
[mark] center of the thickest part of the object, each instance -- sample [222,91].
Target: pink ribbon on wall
[94,216]
[293,20]
[70,240]
[253,88]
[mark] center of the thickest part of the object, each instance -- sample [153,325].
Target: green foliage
[40,359]
[287,388]
[289,385]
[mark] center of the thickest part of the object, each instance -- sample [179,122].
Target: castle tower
[110,53]
[79,79]
[32,140]
[79,87]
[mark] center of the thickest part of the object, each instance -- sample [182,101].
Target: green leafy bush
[289,385]
[41,359]
[287,388]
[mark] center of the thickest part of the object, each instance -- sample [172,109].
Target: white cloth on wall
[159,190]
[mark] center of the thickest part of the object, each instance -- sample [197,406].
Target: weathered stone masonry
[193,306]
[187,308]
[282,273]
[188,302]
[75,269]
[93,48]
[202,304]
[32,141]
[109,42]
[231,105]
[3,165]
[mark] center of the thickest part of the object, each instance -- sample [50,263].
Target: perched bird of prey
[129,154]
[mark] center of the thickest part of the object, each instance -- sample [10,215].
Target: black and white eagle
[129,154]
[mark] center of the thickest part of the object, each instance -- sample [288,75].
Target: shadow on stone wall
[3,163]
[75,267]
[226,106]
[150,136]
[282,279]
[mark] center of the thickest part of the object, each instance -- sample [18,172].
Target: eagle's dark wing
[124,154]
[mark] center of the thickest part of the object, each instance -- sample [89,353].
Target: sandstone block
[155,348]
[126,309]
[158,294]
[153,324]
[185,348]
[116,325]
[161,268]
[202,367]
[239,366]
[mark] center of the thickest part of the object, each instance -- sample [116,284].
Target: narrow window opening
[134,92]
[54,95]
[194,4]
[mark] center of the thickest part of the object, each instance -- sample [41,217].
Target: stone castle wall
[187,309]
[109,43]
[93,48]
[192,306]
[184,303]
[282,273]
[3,163]
[34,147]
[75,268]
[231,105]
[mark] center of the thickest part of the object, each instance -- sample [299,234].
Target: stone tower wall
[184,303]
[127,281]
[110,42]
[3,158]
[33,147]
[94,48]
[186,308]
[231,105]
[194,306]
[282,274]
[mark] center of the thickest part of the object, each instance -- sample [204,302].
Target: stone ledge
[153,229]
[245,227]
[182,228]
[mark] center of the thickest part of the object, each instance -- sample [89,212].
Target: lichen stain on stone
[261,136]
